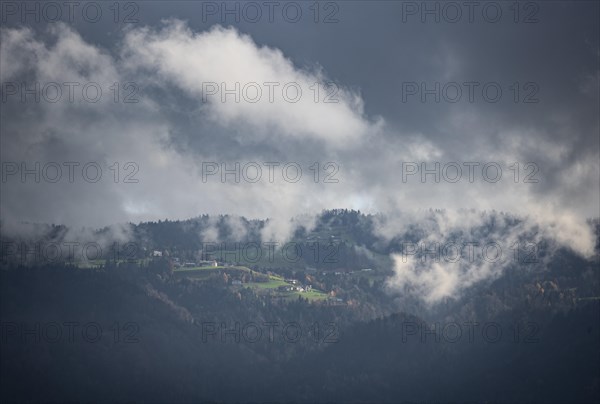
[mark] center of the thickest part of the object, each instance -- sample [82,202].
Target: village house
[211,263]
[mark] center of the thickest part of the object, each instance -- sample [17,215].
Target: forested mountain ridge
[143,322]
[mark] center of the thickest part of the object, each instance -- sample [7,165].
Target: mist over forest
[299,201]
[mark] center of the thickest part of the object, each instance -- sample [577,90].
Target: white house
[212,263]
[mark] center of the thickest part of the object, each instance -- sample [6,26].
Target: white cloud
[369,153]
[196,62]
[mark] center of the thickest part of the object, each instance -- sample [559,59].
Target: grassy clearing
[208,268]
[270,287]
[272,284]
[101,262]
[277,281]
[314,295]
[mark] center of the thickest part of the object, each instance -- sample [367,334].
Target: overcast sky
[396,90]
